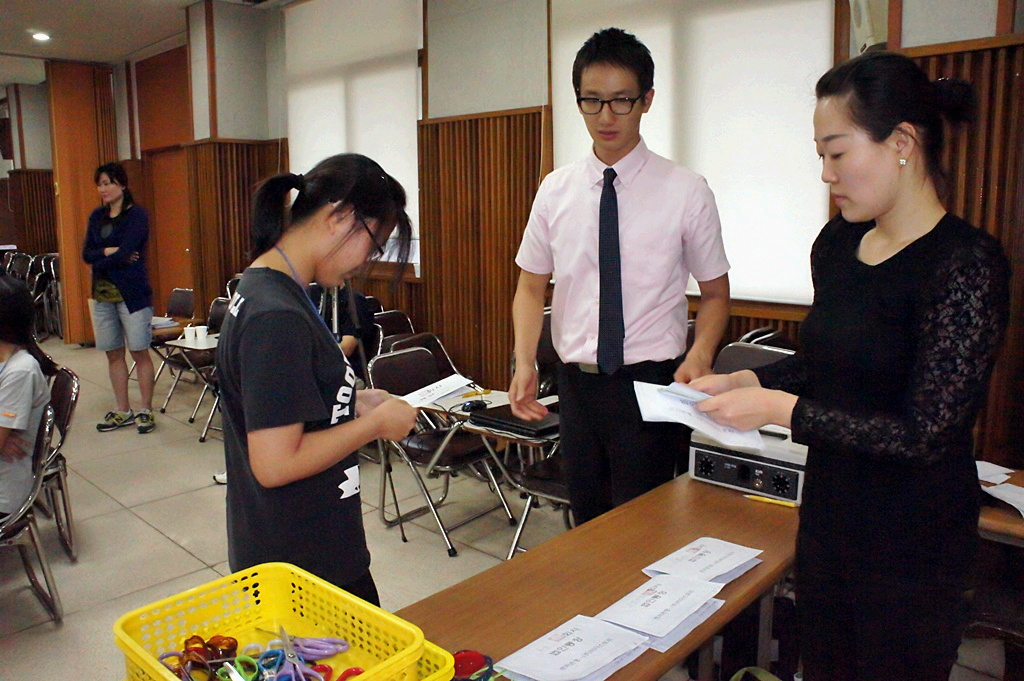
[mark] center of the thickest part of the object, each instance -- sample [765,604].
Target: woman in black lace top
[910,306]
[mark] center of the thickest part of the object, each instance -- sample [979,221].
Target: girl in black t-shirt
[293,419]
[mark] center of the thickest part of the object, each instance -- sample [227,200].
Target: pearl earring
[903,162]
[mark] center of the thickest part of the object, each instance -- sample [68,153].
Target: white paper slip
[659,406]
[573,651]
[740,569]
[426,395]
[660,605]
[689,624]
[600,675]
[162,322]
[705,558]
[1011,494]
[990,472]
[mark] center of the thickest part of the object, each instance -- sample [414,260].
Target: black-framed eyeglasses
[620,106]
[378,249]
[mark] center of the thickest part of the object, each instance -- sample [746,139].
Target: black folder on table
[501,418]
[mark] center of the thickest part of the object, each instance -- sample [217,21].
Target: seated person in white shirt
[668,228]
[24,393]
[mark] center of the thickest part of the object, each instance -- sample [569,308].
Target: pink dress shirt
[668,229]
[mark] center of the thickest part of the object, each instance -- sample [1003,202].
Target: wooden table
[1002,522]
[587,569]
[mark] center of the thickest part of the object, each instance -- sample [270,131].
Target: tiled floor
[150,523]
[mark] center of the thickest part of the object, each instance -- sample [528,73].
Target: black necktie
[611,329]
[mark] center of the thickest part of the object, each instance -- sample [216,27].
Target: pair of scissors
[188,666]
[314,648]
[242,668]
[284,664]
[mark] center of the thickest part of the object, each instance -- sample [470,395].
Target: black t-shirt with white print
[278,365]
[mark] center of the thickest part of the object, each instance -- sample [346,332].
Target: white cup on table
[190,333]
[201,332]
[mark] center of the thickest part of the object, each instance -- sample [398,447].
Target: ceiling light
[41,37]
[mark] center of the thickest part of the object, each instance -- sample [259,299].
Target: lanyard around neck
[305,294]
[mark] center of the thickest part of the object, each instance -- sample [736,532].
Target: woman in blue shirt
[115,246]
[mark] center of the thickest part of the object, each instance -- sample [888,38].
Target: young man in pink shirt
[621,231]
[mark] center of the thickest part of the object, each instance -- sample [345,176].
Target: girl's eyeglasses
[378,249]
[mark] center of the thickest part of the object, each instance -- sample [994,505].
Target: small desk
[590,567]
[194,344]
[495,398]
[186,346]
[1002,523]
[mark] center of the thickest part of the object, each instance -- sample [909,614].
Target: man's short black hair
[618,48]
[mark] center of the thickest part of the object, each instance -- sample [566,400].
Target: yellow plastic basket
[264,598]
[436,664]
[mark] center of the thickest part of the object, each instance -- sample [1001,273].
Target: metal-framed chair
[63,398]
[543,479]
[767,335]
[218,311]
[201,361]
[181,307]
[232,285]
[53,296]
[393,322]
[430,341]
[18,265]
[439,451]
[374,304]
[21,530]
[740,355]
[38,283]
[5,264]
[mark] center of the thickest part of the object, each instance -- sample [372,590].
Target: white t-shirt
[23,398]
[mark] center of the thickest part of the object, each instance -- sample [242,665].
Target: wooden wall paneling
[894,37]
[129,81]
[840,31]
[165,106]
[170,222]
[1006,11]
[1003,432]
[21,124]
[222,175]
[10,229]
[478,175]
[747,315]
[461,302]
[106,122]
[16,202]
[38,213]
[204,191]
[407,295]
[77,151]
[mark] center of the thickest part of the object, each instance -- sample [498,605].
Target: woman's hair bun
[956,99]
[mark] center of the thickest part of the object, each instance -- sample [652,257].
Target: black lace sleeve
[788,375]
[961,330]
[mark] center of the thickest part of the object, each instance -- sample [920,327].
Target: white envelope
[660,605]
[574,650]
[706,558]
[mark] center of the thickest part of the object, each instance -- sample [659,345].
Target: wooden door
[170,240]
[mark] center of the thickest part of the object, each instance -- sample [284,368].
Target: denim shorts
[112,324]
